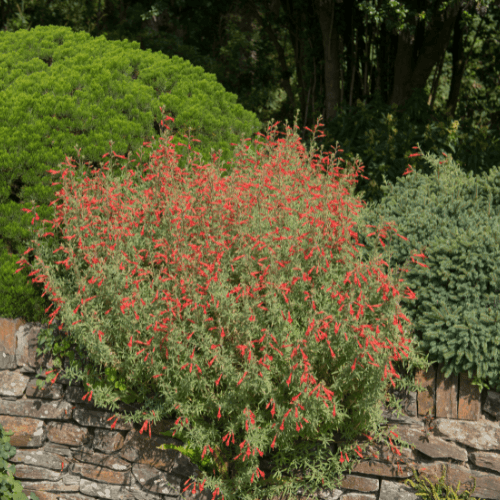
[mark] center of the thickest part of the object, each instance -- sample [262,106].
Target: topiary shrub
[59,88]
[10,488]
[453,219]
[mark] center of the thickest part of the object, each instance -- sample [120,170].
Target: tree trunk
[392,44]
[360,48]
[383,63]
[459,63]
[297,28]
[458,67]
[415,59]
[281,56]
[351,52]
[435,82]
[330,34]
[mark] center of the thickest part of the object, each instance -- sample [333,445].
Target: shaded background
[384,75]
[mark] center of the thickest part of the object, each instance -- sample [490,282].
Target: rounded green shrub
[62,92]
[10,488]
[453,219]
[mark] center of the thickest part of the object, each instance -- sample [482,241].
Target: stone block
[492,404]
[28,432]
[360,483]
[68,434]
[431,445]
[12,383]
[482,435]
[108,441]
[50,391]
[99,419]
[486,460]
[8,342]
[396,491]
[41,458]
[487,485]
[36,408]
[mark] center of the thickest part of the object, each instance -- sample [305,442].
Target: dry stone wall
[66,449]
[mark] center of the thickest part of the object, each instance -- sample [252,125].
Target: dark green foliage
[453,218]
[59,89]
[382,136]
[10,488]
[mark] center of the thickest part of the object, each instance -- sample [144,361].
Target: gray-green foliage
[59,89]
[453,218]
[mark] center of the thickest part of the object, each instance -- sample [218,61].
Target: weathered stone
[45,495]
[99,419]
[391,417]
[41,458]
[101,490]
[156,481]
[329,495]
[36,408]
[108,441]
[408,401]
[144,450]
[12,383]
[100,474]
[320,493]
[482,435]
[360,483]
[446,395]
[388,459]
[487,485]
[358,496]
[57,449]
[431,445]
[486,460]
[8,328]
[101,459]
[26,357]
[26,347]
[67,483]
[28,432]
[376,468]
[492,404]
[162,426]
[69,434]
[469,403]
[37,473]
[396,491]
[75,393]
[50,391]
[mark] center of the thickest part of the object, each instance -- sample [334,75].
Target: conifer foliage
[453,219]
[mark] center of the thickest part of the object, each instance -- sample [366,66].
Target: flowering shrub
[242,300]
